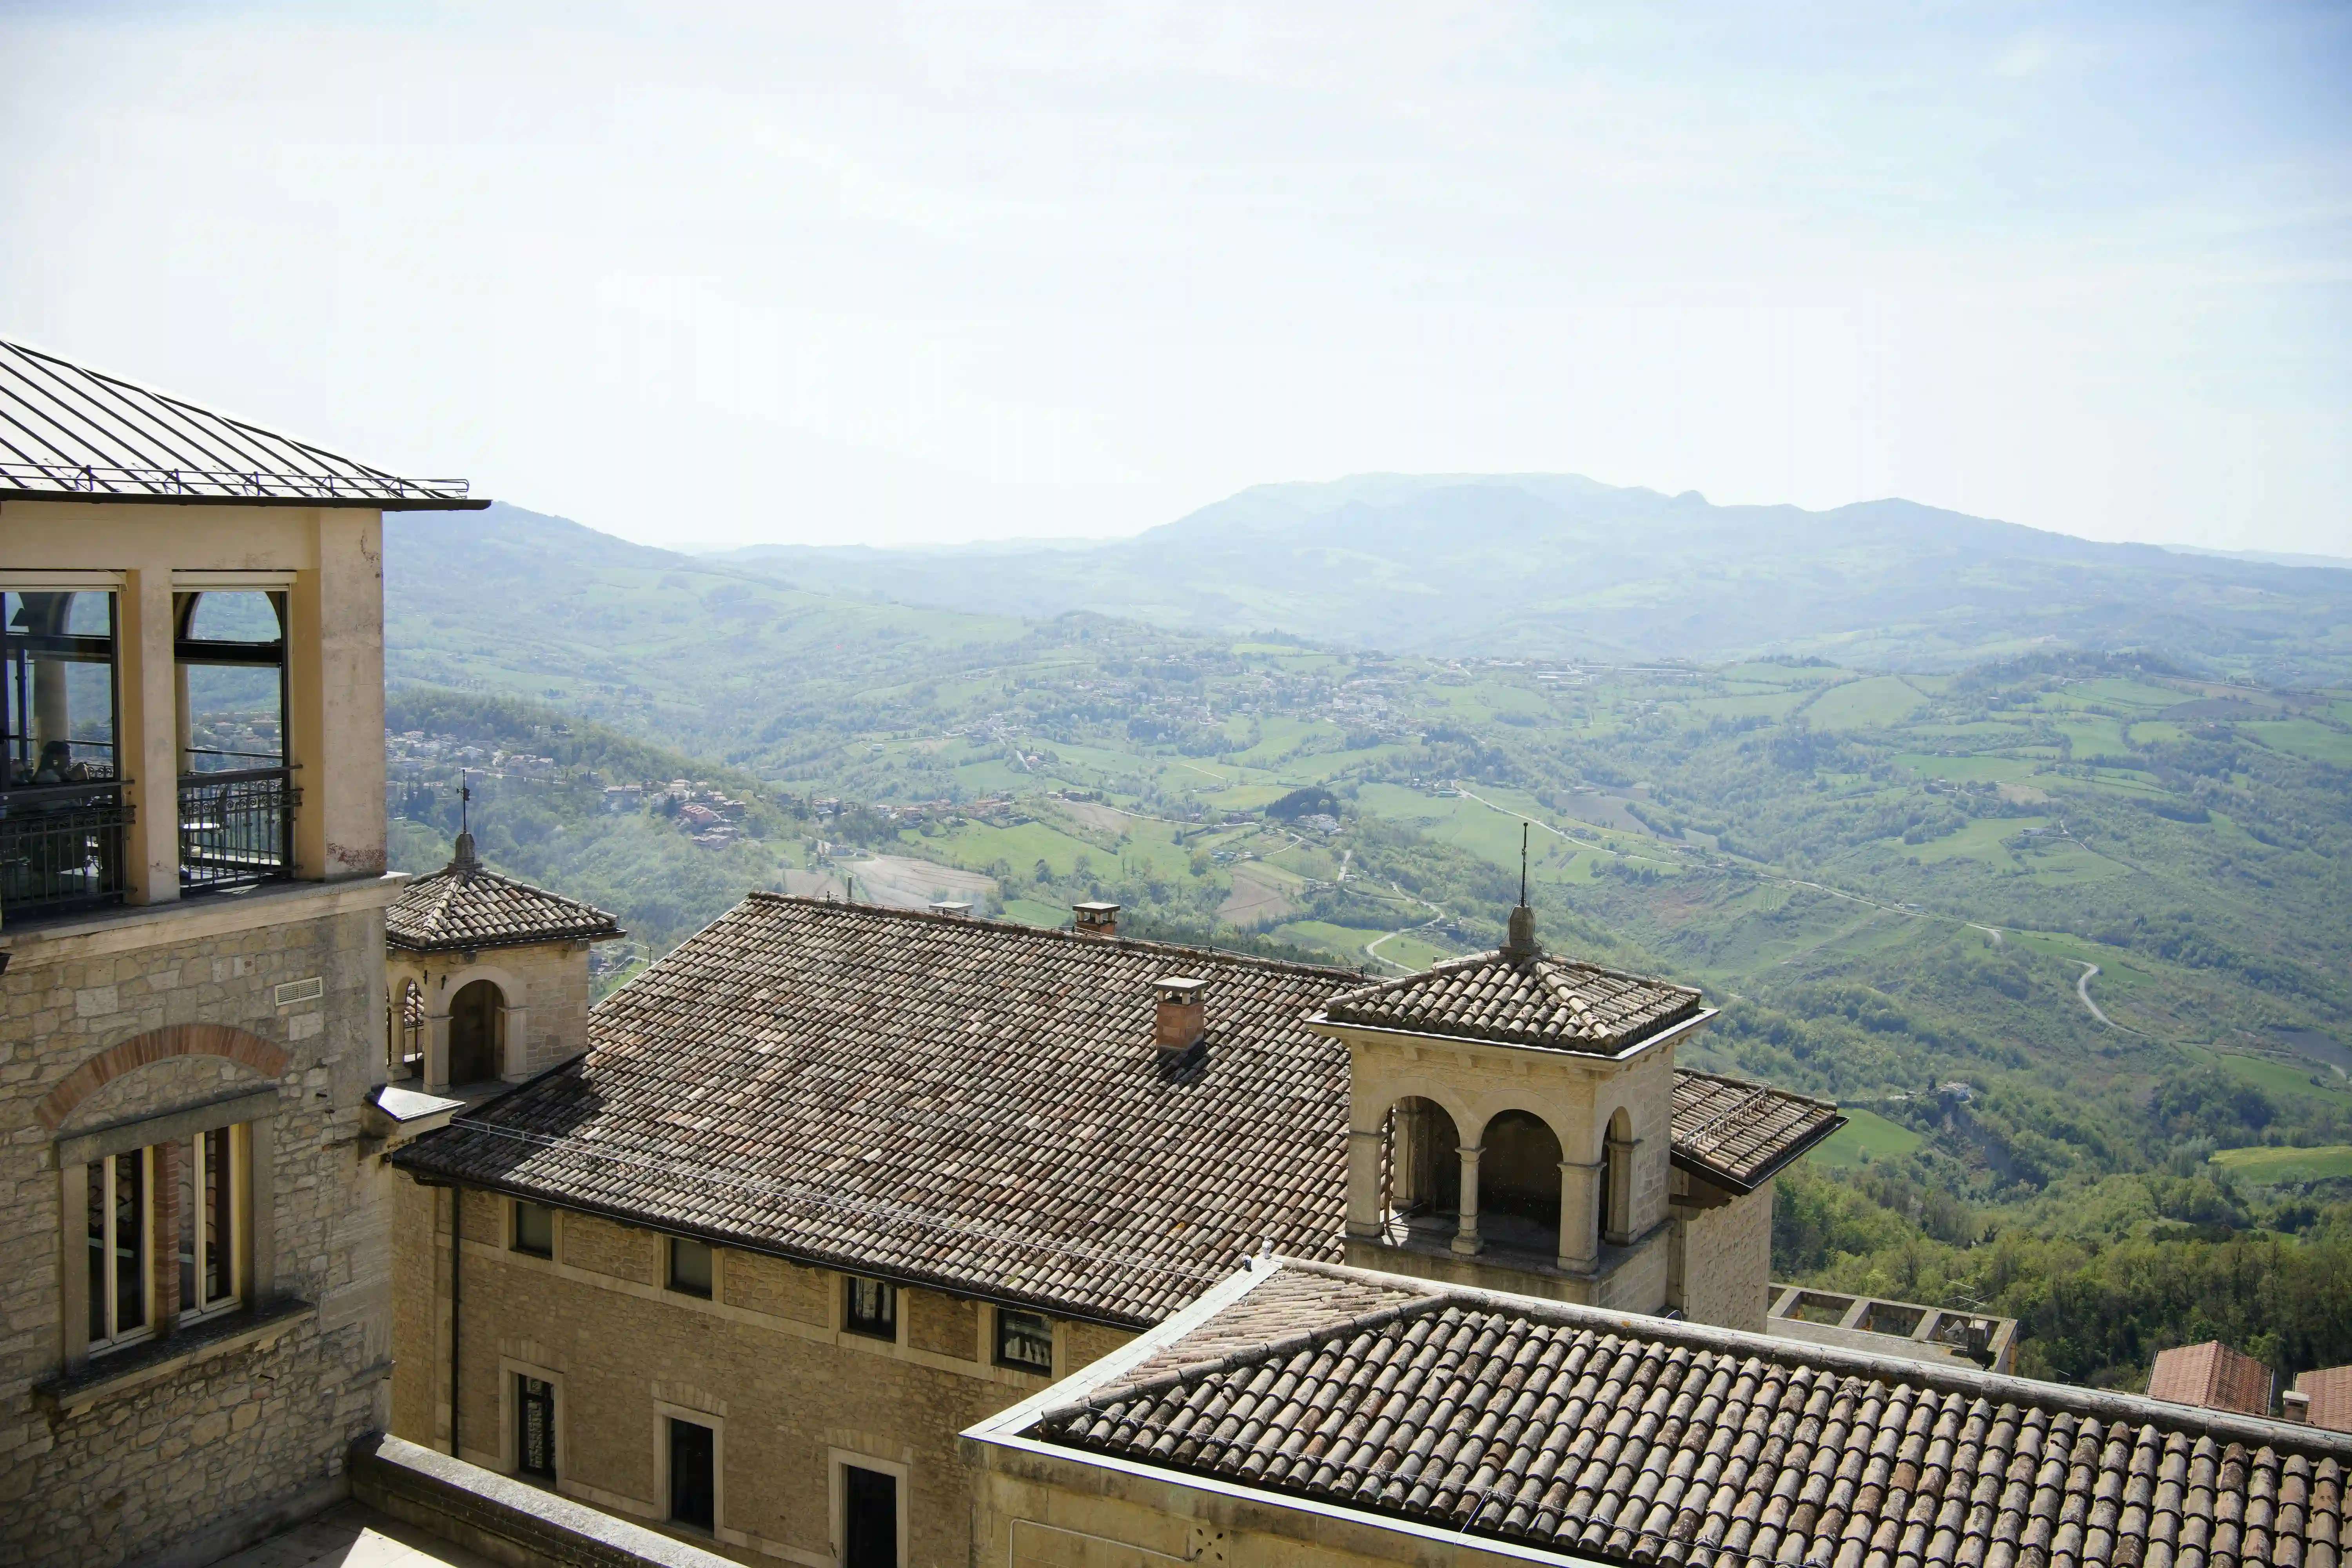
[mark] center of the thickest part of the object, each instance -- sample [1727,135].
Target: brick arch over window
[155,1046]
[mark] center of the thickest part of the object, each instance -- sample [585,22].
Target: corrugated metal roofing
[70,433]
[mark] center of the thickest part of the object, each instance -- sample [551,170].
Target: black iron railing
[62,847]
[236,828]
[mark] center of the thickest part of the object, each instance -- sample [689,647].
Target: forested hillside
[2064,931]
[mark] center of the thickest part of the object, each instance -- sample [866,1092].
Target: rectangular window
[121,1283]
[690,1267]
[693,1475]
[1024,1341]
[870,1506]
[534,1229]
[62,815]
[207,1209]
[871,1307]
[535,1427]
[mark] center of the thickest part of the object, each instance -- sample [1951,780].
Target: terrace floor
[353,1535]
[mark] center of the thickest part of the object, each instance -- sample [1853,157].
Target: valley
[2063,928]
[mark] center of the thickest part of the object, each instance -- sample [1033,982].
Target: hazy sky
[857,273]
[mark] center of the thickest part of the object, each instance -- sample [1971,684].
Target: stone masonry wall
[788,1392]
[222,1436]
[1727,1261]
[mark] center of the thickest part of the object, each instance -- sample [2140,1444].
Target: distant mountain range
[1560,566]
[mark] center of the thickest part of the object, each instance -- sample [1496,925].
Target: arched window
[1425,1165]
[1519,1183]
[404,1032]
[476,1014]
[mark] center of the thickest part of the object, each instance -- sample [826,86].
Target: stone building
[195,1269]
[1302,1414]
[486,978]
[831,1183]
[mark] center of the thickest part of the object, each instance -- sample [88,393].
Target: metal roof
[70,433]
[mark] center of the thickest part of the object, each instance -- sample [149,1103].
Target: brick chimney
[1095,919]
[1184,1014]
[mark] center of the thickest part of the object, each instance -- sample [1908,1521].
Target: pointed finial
[462,858]
[1520,946]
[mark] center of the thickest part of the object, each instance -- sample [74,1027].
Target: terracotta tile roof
[2330,1389]
[464,906]
[1639,1440]
[1736,1133]
[2213,1376]
[1554,1003]
[967,1103]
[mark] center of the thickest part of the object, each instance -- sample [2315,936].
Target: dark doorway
[693,1480]
[870,1509]
[535,1428]
[474,1033]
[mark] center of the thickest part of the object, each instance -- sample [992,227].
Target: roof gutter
[365,503]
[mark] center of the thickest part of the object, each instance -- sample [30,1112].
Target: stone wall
[1726,1260]
[764,1361]
[110,1462]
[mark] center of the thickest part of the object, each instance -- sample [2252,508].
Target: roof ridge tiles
[1049,933]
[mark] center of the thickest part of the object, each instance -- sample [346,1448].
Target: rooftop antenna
[1523,862]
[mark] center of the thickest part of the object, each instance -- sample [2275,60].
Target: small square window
[690,1267]
[534,1229]
[871,1307]
[1024,1341]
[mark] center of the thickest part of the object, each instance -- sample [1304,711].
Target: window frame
[195,1304]
[884,1328]
[515,1242]
[102,1234]
[999,1337]
[671,1277]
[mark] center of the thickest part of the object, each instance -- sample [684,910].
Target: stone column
[1466,1235]
[437,1049]
[1580,1226]
[334,729]
[1618,1152]
[514,1043]
[149,741]
[1364,1215]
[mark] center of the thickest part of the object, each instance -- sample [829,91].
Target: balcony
[236,828]
[62,847]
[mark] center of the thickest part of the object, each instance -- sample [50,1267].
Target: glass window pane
[187,1190]
[873,1309]
[98,1272]
[1024,1340]
[130,1241]
[534,1229]
[220,1243]
[58,673]
[690,1267]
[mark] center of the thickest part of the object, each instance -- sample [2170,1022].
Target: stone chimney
[1095,919]
[2295,1406]
[954,908]
[1184,1014]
